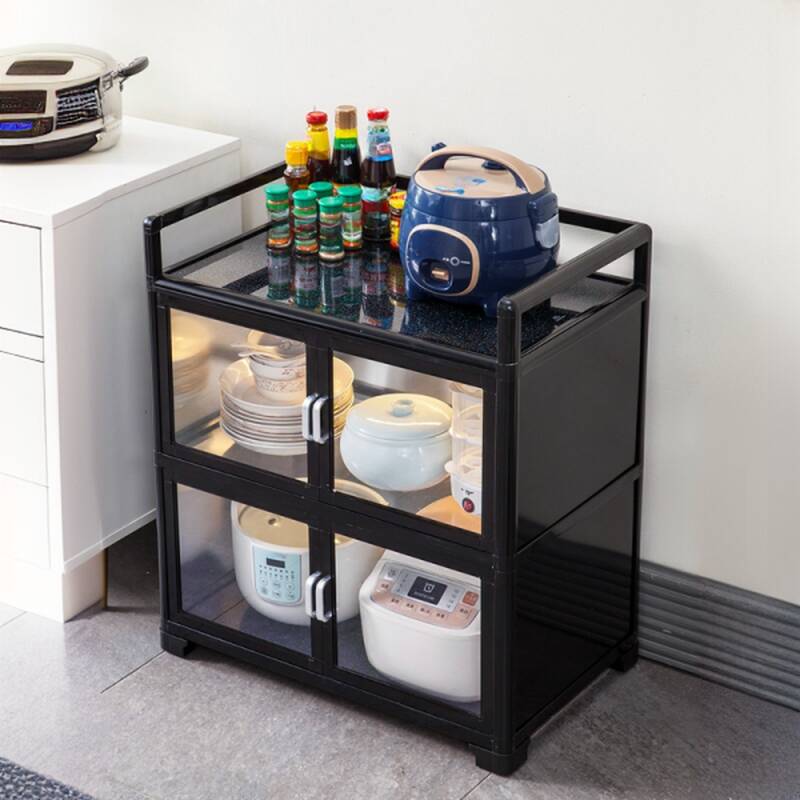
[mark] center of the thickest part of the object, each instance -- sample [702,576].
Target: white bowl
[281,390]
[277,370]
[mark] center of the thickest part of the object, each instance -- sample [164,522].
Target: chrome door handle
[306,417]
[309,592]
[320,612]
[317,434]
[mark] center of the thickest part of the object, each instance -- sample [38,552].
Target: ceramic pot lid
[400,417]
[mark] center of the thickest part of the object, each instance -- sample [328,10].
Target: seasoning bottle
[296,173]
[351,216]
[279,234]
[319,146]
[377,176]
[397,201]
[330,229]
[278,273]
[346,161]
[304,212]
[321,189]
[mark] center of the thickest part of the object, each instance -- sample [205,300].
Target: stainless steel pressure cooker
[59,100]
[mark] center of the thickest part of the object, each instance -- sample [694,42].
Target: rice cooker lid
[273,529]
[469,178]
[400,417]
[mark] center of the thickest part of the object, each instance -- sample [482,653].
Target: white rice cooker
[60,100]
[421,626]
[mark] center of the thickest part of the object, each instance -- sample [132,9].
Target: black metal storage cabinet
[560,376]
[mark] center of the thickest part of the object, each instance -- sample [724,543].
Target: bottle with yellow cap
[296,173]
[319,146]
[346,161]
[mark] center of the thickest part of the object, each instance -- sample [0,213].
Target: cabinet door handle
[306,417]
[322,613]
[309,592]
[317,433]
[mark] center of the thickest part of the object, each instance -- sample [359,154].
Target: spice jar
[305,222]
[330,228]
[321,189]
[279,233]
[296,173]
[397,201]
[278,273]
[351,216]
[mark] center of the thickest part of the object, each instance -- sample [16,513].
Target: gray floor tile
[7,613]
[659,734]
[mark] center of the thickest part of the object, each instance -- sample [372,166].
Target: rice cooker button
[470,598]
[464,612]
[424,611]
[384,586]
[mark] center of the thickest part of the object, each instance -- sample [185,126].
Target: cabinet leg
[175,645]
[501,763]
[627,658]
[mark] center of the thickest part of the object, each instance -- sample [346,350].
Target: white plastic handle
[321,613]
[316,421]
[309,593]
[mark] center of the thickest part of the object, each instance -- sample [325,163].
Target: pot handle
[526,176]
[136,66]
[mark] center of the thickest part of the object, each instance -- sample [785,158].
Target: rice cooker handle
[526,176]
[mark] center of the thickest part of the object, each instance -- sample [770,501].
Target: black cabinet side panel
[578,409]
[572,599]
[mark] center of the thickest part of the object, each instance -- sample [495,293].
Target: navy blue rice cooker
[478,224]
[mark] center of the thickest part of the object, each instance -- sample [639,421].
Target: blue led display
[16,126]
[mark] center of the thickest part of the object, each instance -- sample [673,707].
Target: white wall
[682,114]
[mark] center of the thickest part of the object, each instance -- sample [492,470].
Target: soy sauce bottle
[346,161]
[319,146]
[377,176]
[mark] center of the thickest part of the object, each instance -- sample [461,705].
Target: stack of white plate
[190,350]
[272,425]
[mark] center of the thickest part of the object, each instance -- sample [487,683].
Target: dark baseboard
[730,636]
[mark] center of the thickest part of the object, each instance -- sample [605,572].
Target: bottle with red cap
[319,147]
[377,176]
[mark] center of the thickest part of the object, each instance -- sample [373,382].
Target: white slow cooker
[422,628]
[271,562]
[60,100]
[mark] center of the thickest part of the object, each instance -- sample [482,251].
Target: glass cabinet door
[408,624]
[411,441]
[238,393]
[245,568]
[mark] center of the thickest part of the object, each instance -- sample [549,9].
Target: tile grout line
[128,674]
[477,785]
[9,621]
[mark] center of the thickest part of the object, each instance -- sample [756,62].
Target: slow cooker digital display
[16,126]
[427,590]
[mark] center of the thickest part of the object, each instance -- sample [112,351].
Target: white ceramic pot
[398,442]
[271,562]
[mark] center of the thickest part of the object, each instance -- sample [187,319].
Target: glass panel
[415,440]
[238,393]
[244,567]
[416,625]
[367,288]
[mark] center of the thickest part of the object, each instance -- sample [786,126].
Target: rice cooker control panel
[435,601]
[277,576]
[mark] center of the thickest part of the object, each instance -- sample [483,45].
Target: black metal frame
[499,744]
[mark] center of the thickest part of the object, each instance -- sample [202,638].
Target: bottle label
[379,144]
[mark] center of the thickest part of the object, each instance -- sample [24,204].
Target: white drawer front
[21,273]
[22,437]
[24,534]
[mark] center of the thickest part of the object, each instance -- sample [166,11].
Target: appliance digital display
[273,562]
[16,126]
[427,590]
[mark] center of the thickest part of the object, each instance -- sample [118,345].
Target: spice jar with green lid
[305,222]
[330,228]
[321,189]
[351,216]
[279,233]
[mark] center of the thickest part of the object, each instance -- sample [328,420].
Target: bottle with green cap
[304,212]
[330,229]
[279,233]
[351,216]
[321,189]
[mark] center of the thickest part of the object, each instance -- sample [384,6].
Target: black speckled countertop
[367,287]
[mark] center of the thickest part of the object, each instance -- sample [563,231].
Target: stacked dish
[278,366]
[273,424]
[190,350]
